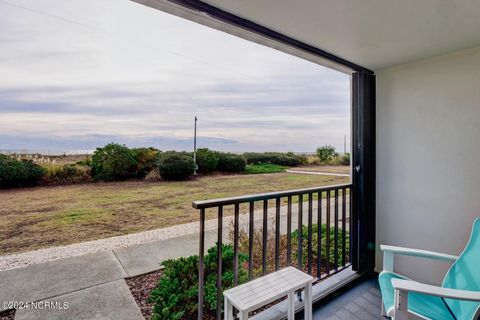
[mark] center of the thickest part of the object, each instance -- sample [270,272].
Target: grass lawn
[49,216]
[264,168]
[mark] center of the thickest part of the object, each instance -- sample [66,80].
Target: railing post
[235,244]
[201,253]
[219,262]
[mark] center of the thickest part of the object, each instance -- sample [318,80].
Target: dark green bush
[146,160]
[345,159]
[176,294]
[324,243]
[19,173]
[230,162]
[175,165]
[288,159]
[113,162]
[207,160]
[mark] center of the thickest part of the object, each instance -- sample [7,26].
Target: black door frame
[363,130]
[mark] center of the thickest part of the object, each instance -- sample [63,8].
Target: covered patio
[415,75]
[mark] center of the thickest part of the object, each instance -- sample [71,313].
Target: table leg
[308,302]
[291,306]
[228,310]
[243,315]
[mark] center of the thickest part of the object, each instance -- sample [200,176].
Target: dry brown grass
[50,216]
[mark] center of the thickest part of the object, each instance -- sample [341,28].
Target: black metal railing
[329,198]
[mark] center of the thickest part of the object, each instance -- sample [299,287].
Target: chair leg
[291,306]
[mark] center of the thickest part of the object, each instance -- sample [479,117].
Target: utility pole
[345,144]
[195,146]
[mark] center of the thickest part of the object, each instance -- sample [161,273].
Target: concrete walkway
[320,173]
[93,284]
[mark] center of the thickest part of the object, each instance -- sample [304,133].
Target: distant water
[58,152]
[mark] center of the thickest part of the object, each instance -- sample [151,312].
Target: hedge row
[209,161]
[288,159]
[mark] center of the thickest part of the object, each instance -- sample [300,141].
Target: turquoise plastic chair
[457,299]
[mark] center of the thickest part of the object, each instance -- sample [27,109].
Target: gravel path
[17,260]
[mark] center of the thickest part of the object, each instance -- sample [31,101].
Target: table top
[256,293]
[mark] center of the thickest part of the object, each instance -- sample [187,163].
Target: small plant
[345,159]
[153,175]
[113,162]
[207,160]
[176,295]
[230,162]
[19,173]
[326,154]
[175,165]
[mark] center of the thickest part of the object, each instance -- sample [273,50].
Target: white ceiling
[372,33]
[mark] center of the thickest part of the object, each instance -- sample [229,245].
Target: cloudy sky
[76,74]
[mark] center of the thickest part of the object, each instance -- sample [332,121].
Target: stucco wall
[428,157]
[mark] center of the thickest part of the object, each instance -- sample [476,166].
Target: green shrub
[326,153]
[288,159]
[19,173]
[175,165]
[229,162]
[207,160]
[68,173]
[176,294]
[113,162]
[331,257]
[345,159]
[146,160]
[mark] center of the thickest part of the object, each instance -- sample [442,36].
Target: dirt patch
[140,287]
[7,314]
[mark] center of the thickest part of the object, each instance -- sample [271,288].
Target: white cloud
[95,68]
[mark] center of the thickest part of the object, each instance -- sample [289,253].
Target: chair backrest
[464,274]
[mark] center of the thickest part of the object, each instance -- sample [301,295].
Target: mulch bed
[7,314]
[140,287]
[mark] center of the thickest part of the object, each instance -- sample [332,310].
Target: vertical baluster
[265,237]
[235,244]
[310,223]
[327,244]
[201,253]
[335,253]
[319,234]
[350,223]
[300,235]
[289,230]
[250,240]
[219,262]
[344,232]
[277,233]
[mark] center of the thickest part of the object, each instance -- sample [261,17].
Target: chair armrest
[414,286]
[419,253]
